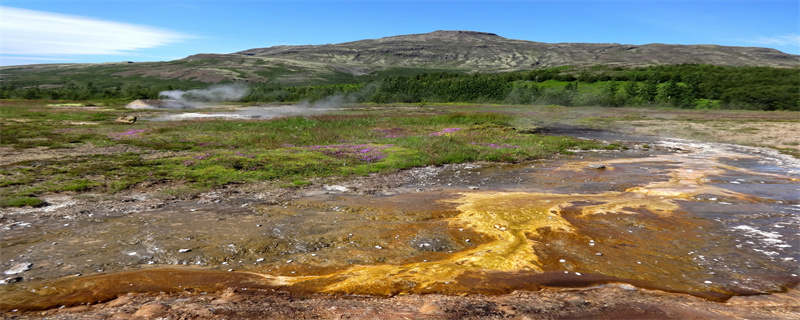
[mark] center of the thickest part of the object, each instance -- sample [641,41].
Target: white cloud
[30,32]
[784,40]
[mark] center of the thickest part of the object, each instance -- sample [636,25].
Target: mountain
[458,51]
[480,51]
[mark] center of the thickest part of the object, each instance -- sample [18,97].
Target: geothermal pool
[711,220]
[248,113]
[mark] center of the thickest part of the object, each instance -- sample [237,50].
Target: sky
[96,31]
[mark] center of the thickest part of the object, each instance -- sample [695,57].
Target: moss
[21,202]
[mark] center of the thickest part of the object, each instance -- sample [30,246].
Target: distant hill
[479,51]
[459,51]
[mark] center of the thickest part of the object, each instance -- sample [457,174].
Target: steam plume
[179,99]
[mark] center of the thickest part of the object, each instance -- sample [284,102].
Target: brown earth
[604,302]
[776,134]
[610,302]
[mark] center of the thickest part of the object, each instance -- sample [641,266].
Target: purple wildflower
[445,131]
[392,133]
[129,133]
[244,155]
[361,152]
[495,146]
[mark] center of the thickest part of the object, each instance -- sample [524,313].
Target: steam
[195,99]
[304,108]
[192,99]
[331,102]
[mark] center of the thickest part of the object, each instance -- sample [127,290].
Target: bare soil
[605,302]
[609,302]
[776,134]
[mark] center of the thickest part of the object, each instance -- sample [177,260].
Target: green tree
[631,88]
[613,88]
[649,90]
[572,86]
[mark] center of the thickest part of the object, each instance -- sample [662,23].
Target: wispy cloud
[39,33]
[784,40]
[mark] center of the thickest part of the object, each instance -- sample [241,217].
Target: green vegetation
[20,202]
[287,151]
[683,86]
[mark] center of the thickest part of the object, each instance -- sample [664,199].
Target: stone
[229,296]
[578,301]
[431,308]
[597,166]
[151,310]
[126,119]
[120,301]
[199,310]
[233,298]
[80,308]
[120,316]
[19,268]
[337,188]
[10,280]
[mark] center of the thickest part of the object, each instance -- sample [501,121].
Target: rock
[19,268]
[184,250]
[232,298]
[151,310]
[336,188]
[120,301]
[431,308]
[81,308]
[229,296]
[597,166]
[507,310]
[126,119]
[10,280]
[474,188]
[199,310]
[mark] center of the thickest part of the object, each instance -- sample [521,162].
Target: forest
[688,86]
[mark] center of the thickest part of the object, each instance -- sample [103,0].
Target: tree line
[683,86]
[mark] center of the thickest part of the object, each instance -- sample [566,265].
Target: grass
[291,152]
[20,202]
[789,151]
[191,156]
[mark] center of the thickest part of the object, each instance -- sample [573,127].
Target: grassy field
[59,147]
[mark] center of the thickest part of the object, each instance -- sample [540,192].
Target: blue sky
[79,31]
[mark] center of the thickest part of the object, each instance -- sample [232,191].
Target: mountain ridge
[473,51]
[442,50]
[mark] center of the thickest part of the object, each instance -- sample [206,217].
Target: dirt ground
[606,302]
[776,134]
[609,302]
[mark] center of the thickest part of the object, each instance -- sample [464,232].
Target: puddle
[250,113]
[709,220]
